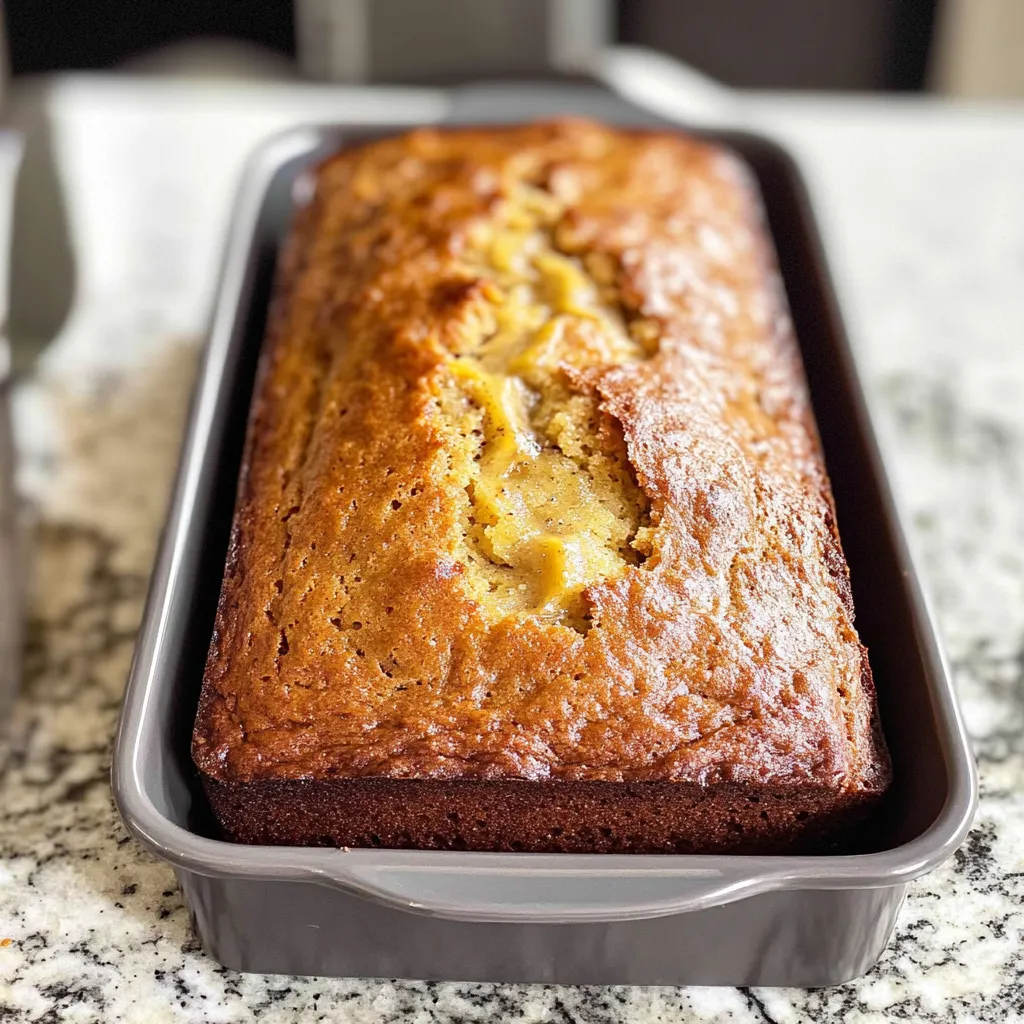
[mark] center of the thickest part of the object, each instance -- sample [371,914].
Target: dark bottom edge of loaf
[570,817]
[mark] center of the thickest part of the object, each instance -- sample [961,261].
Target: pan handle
[534,888]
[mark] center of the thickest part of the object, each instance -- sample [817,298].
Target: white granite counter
[924,212]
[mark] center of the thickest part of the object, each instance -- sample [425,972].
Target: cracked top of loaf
[531,488]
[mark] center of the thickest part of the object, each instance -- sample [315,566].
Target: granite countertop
[923,208]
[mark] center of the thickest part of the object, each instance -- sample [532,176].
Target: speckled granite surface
[924,210]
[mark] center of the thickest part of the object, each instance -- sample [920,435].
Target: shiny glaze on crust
[347,641]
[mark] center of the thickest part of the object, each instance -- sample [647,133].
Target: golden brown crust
[350,642]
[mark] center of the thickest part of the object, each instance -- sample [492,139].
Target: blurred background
[963,47]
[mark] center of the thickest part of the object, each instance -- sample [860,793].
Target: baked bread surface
[534,545]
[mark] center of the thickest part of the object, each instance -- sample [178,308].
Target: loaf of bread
[534,546]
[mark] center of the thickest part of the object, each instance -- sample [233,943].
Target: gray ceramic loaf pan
[594,919]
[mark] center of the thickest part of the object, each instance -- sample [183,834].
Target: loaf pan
[566,918]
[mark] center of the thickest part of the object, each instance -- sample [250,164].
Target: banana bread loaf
[534,546]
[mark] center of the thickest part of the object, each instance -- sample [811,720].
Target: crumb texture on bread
[532,491]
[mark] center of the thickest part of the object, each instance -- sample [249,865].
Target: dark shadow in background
[68,35]
[913,29]
[791,44]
